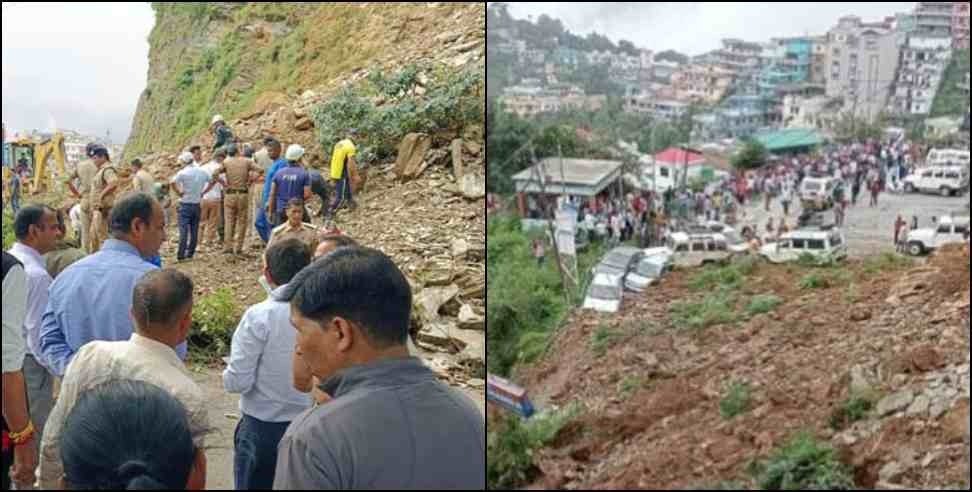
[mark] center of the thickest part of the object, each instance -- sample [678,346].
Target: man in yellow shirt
[341,159]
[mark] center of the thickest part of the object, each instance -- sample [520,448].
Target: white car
[821,243]
[693,249]
[817,192]
[944,180]
[649,271]
[619,261]
[950,230]
[605,293]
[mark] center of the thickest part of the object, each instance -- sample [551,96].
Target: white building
[862,61]
[923,63]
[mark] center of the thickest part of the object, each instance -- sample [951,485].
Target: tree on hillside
[752,156]
[672,56]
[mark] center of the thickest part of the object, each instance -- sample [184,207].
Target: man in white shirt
[189,184]
[262,369]
[212,200]
[16,415]
[162,312]
[37,231]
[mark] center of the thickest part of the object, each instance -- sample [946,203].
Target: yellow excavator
[36,155]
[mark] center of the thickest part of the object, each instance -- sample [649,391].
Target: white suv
[697,249]
[817,193]
[821,243]
[950,230]
[945,180]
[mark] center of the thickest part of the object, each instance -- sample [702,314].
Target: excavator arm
[44,151]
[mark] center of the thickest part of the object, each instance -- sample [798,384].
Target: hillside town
[745,268]
[862,67]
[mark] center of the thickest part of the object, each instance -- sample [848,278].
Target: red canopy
[675,155]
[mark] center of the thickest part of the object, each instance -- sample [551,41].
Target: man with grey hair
[161,307]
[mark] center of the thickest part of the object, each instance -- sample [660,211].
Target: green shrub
[532,345]
[854,409]
[510,449]
[825,280]
[762,304]
[714,309]
[525,302]
[804,464]
[736,402]
[811,261]
[886,262]
[712,277]
[602,339]
[451,100]
[214,319]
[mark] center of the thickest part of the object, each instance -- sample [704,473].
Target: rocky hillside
[704,381]
[282,69]
[243,60]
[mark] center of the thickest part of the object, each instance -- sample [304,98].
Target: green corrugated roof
[790,139]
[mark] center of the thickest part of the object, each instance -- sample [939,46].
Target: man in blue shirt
[288,183]
[263,225]
[92,299]
[261,369]
[190,184]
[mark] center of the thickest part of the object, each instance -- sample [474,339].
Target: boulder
[472,187]
[469,320]
[430,300]
[457,167]
[304,124]
[411,156]
[895,403]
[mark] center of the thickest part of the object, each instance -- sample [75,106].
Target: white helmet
[294,152]
[185,157]
[215,119]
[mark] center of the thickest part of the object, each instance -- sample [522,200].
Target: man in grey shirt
[391,424]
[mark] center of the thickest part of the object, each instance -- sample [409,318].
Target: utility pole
[551,217]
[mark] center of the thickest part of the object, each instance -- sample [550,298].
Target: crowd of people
[96,393]
[872,166]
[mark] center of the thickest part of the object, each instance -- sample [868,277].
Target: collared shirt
[237,171]
[38,282]
[261,363]
[391,425]
[106,176]
[216,192]
[193,181]
[138,359]
[91,301]
[13,313]
[307,233]
[64,255]
[277,166]
[84,173]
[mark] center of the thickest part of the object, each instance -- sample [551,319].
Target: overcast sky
[695,28]
[81,66]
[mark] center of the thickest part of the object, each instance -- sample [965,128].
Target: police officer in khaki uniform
[295,227]
[102,198]
[236,197]
[84,175]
